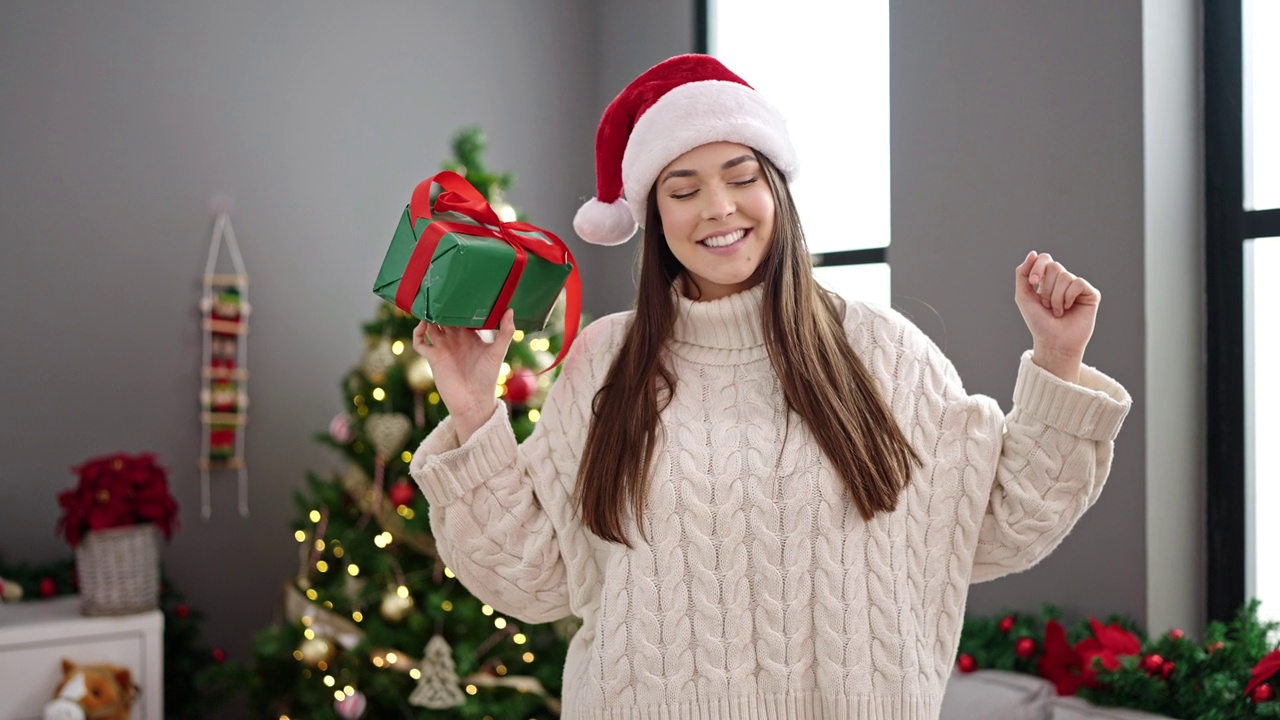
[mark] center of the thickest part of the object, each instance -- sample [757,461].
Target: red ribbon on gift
[458,195]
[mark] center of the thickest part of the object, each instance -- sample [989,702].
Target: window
[1242,254]
[842,188]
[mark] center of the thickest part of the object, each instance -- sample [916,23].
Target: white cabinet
[36,635]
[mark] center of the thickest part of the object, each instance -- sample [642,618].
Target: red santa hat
[672,108]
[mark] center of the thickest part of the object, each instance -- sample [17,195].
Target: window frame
[863,256]
[1228,226]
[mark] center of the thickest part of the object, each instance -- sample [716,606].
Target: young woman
[762,501]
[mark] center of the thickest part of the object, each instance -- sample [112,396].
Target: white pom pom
[604,223]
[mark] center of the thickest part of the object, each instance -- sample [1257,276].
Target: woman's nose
[719,204]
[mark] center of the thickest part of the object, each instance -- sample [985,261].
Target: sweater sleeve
[1054,459]
[499,510]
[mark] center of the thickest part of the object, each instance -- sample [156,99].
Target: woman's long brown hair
[823,380]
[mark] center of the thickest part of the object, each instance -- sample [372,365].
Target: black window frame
[1228,226]
[864,256]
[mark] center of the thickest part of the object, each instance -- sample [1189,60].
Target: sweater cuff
[447,471]
[1094,409]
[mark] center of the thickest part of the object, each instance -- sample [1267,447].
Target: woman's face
[717,215]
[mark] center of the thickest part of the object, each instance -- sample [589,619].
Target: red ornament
[1176,633]
[48,588]
[1152,663]
[1166,670]
[1006,625]
[182,611]
[1025,648]
[402,493]
[521,386]
[218,655]
[1263,693]
[1267,668]
[966,663]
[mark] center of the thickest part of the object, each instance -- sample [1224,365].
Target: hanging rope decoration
[224,399]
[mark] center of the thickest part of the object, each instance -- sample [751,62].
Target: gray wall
[1016,126]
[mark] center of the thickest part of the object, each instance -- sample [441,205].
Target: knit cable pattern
[760,592]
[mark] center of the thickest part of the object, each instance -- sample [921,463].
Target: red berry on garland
[521,386]
[1006,625]
[182,611]
[48,588]
[1025,648]
[966,663]
[1263,693]
[401,493]
[1152,663]
[1176,633]
[218,655]
[1166,670]
[1215,647]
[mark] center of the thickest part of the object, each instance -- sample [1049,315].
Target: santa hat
[672,108]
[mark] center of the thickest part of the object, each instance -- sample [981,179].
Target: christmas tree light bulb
[349,690]
[402,591]
[397,348]
[322,566]
[297,655]
[328,680]
[406,456]
[319,545]
[312,594]
[471,690]
[447,606]
[339,695]
[528,657]
[434,398]
[357,616]
[486,609]
[505,371]
[519,639]
[500,623]
[379,394]
[518,336]
[415,673]
[392,658]
[337,551]
[314,515]
[309,634]
[300,536]
[534,415]
[501,669]
[447,572]
[353,569]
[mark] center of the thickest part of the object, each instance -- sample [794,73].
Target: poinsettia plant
[115,491]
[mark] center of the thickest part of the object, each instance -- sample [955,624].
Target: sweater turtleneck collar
[732,323]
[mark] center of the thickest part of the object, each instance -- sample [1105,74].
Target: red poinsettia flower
[1108,644]
[115,491]
[1269,665]
[1060,663]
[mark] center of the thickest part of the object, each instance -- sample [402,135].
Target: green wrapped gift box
[470,265]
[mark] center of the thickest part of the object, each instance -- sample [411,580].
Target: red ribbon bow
[460,196]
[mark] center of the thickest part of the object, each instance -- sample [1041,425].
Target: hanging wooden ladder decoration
[224,399]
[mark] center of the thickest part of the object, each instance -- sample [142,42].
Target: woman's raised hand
[465,368]
[1060,310]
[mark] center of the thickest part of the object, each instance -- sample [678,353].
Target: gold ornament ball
[316,650]
[419,375]
[395,608]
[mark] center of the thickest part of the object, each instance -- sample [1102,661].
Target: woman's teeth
[724,240]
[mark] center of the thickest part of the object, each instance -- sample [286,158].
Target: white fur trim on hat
[604,223]
[695,114]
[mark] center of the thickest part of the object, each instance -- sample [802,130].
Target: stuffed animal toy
[92,692]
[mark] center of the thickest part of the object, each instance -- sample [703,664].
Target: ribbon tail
[572,314]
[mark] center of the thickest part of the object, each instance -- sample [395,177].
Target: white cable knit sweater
[761,593]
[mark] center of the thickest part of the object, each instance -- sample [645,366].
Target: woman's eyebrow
[729,165]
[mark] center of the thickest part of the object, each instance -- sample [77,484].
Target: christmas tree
[374,622]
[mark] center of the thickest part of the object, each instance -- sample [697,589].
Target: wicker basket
[119,570]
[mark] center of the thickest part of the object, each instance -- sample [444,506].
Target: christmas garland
[197,679]
[1232,674]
